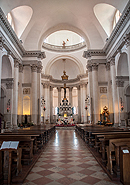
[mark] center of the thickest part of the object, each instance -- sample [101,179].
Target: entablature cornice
[91,53]
[124,19]
[37,54]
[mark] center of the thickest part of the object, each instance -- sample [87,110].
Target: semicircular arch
[74,59]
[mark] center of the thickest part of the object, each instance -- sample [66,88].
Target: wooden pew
[107,147]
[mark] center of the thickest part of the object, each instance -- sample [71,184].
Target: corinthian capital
[112,61]
[9,85]
[34,68]
[16,63]
[95,67]
[108,66]
[20,68]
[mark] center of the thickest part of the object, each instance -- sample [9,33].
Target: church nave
[66,160]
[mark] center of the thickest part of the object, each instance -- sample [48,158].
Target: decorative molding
[64,48]
[34,68]
[16,63]
[94,67]
[119,83]
[37,54]
[103,89]
[108,66]
[127,40]
[102,83]
[112,61]
[124,19]
[20,68]
[124,78]
[1,43]
[51,88]
[26,84]
[89,53]
[9,82]
[26,91]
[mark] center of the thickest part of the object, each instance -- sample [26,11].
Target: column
[9,101]
[39,69]
[1,49]
[79,105]
[70,95]
[127,43]
[59,96]
[83,103]
[34,94]
[114,91]
[90,90]
[109,92]
[20,94]
[51,104]
[47,98]
[95,93]
[15,92]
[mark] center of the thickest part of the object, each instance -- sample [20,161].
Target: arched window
[116,18]
[10,19]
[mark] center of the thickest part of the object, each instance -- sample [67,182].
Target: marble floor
[66,160]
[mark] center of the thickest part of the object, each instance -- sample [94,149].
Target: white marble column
[114,91]
[79,105]
[15,92]
[109,91]
[59,96]
[39,69]
[34,94]
[51,104]
[1,50]
[70,95]
[95,93]
[90,90]
[47,98]
[127,43]
[20,94]
[83,103]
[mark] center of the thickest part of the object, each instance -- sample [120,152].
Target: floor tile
[67,161]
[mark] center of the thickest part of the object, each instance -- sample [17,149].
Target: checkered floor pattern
[67,161]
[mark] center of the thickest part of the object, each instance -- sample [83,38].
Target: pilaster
[34,94]
[20,94]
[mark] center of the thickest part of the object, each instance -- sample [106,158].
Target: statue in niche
[105,114]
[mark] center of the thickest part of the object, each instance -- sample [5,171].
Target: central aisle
[67,161]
